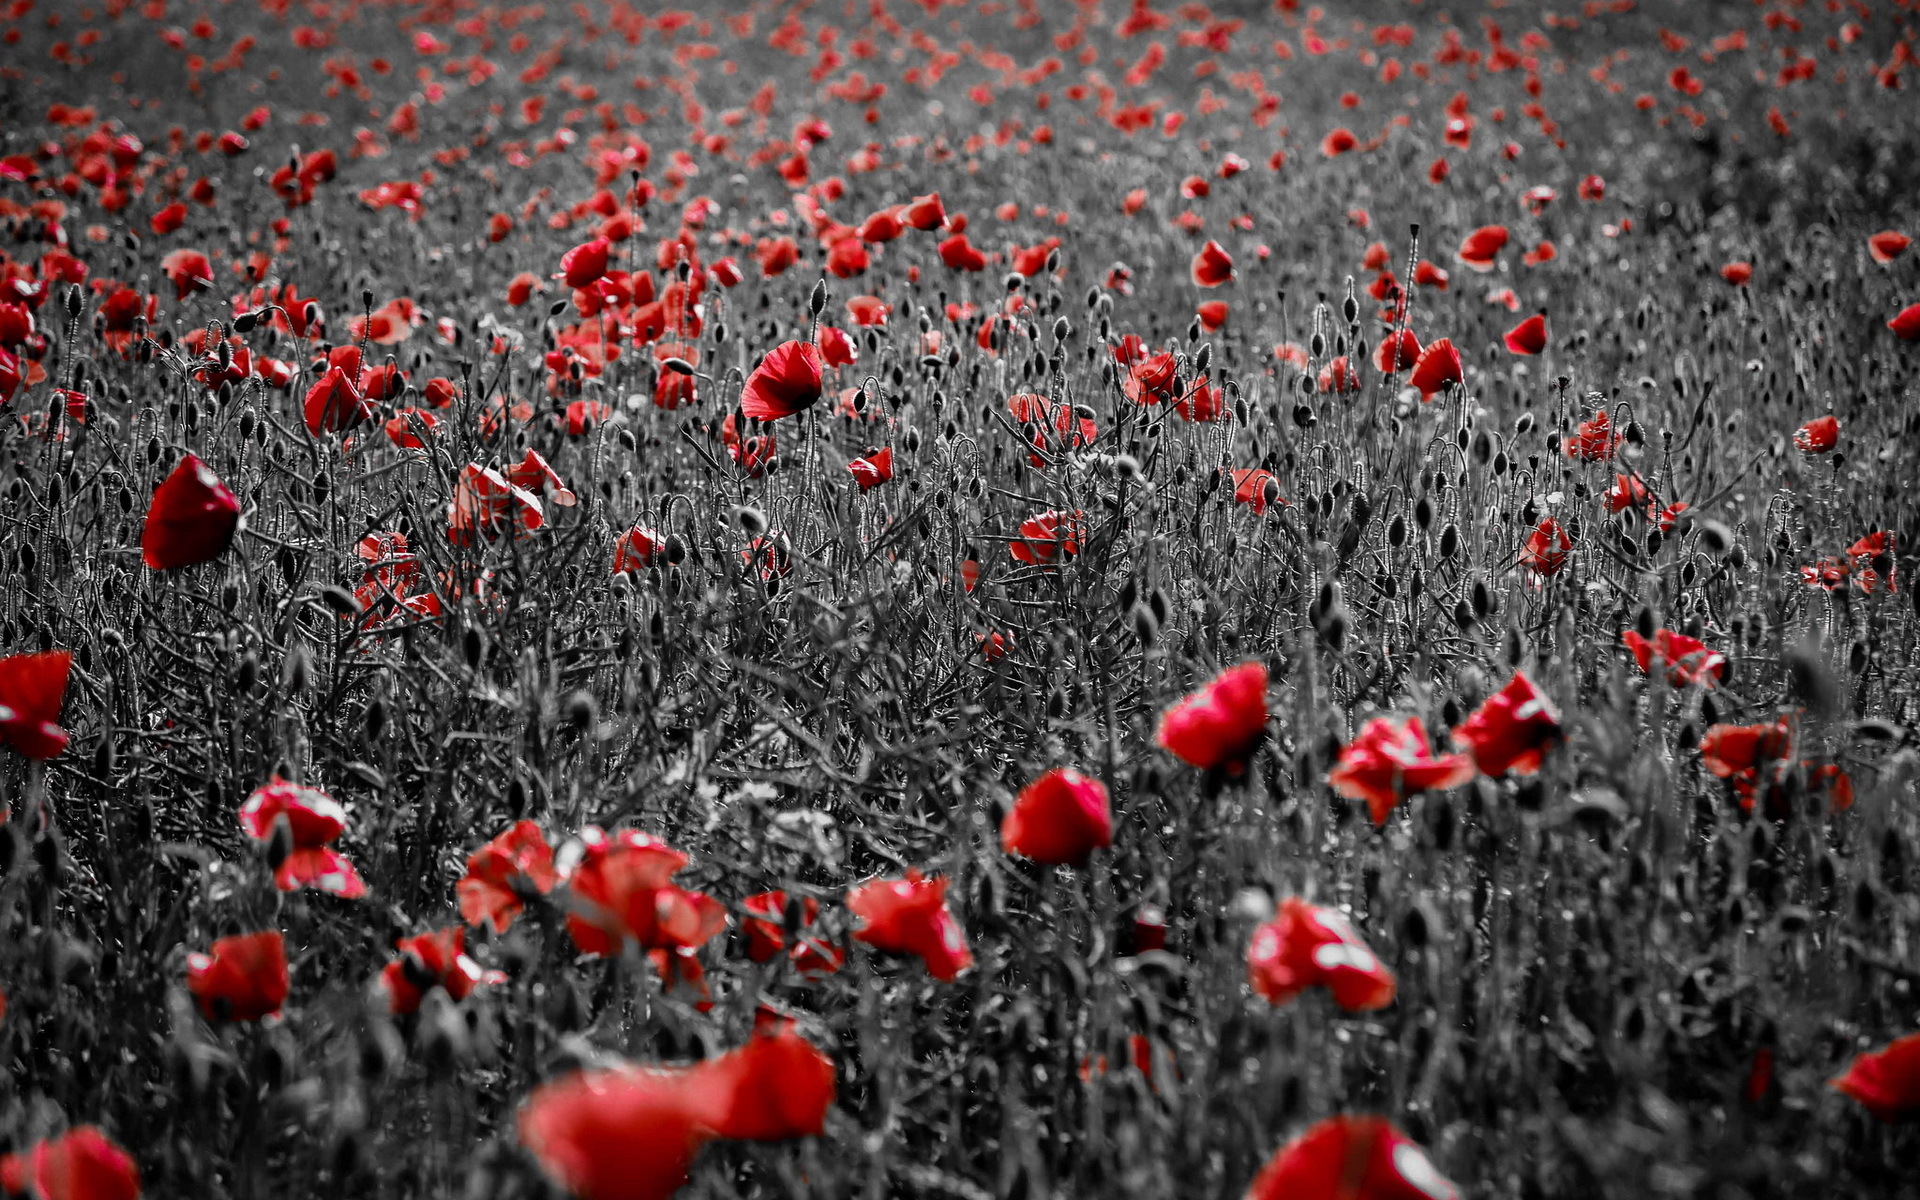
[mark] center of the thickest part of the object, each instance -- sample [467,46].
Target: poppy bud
[679,366]
[817,303]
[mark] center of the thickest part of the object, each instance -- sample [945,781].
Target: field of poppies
[992,599]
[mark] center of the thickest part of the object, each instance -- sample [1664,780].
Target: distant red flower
[1594,440]
[192,519]
[484,501]
[1338,142]
[314,821]
[1886,246]
[909,916]
[1350,1158]
[1047,538]
[32,688]
[622,888]
[1338,376]
[1054,424]
[1389,762]
[1818,435]
[1220,726]
[188,271]
[1511,731]
[765,927]
[1060,818]
[1741,753]
[1871,559]
[1479,249]
[426,961]
[1688,660]
[1737,273]
[1546,549]
[81,1164]
[500,874]
[1886,1082]
[241,978]
[1213,314]
[787,381]
[1437,369]
[925,213]
[1592,188]
[1307,946]
[585,263]
[874,469]
[1529,336]
[1211,267]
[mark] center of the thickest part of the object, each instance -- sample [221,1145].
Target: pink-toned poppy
[192,519]
[242,978]
[1886,1082]
[909,916]
[1220,726]
[32,689]
[1351,1158]
[503,873]
[1511,731]
[1390,761]
[1061,818]
[1308,946]
[787,381]
[1687,659]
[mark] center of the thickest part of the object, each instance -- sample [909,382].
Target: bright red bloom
[1389,762]
[1386,361]
[1222,724]
[1351,1158]
[1546,549]
[636,548]
[335,403]
[1594,440]
[515,864]
[188,271]
[786,381]
[241,978]
[314,820]
[1687,659]
[1211,267]
[32,688]
[430,960]
[623,888]
[81,1164]
[1061,818]
[1437,369]
[926,213]
[1818,435]
[628,1133]
[873,470]
[1906,323]
[883,226]
[1529,336]
[1480,248]
[1886,246]
[1511,731]
[1737,752]
[1739,274]
[1054,424]
[910,916]
[192,519]
[765,927]
[959,254]
[776,1087]
[1048,537]
[1306,946]
[1886,1081]
[585,263]
[1257,488]
[1870,557]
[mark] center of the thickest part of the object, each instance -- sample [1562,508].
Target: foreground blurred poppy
[192,519]
[1061,818]
[1886,1082]
[1389,762]
[776,1087]
[517,863]
[623,889]
[909,916]
[1350,1158]
[1307,946]
[313,820]
[1511,731]
[426,961]
[1221,725]
[873,470]
[1687,659]
[32,688]
[786,381]
[81,1164]
[241,978]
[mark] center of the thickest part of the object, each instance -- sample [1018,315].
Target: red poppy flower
[1738,751]
[1257,488]
[188,271]
[1906,323]
[910,916]
[623,888]
[1594,440]
[776,1087]
[836,348]
[81,1164]
[192,519]
[1437,368]
[1059,818]
[1871,557]
[483,500]
[926,213]
[1687,659]
[959,254]
[1387,362]
[515,864]
[873,470]
[1739,274]
[1047,538]
[1529,336]
[1211,267]
[168,219]
[1306,946]
[1818,435]
[1338,377]
[430,960]
[1886,1082]
[1389,762]
[1351,1158]
[628,1133]
[1546,549]
[1480,248]
[1222,724]
[335,403]
[868,310]
[786,381]
[314,820]
[585,263]
[1152,377]
[32,688]
[1887,246]
[1338,142]
[241,978]
[636,548]
[765,927]
[1054,424]
[1511,731]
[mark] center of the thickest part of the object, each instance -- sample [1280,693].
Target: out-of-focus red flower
[313,820]
[926,213]
[1211,267]
[1152,377]
[1306,946]
[1390,761]
[1886,1082]
[335,403]
[1511,731]
[1546,549]
[242,978]
[1061,818]
[766,928]
[502,873]
[81,1164]
[1888,245]
[1594,440]
[188,271]
[628,1133]
[1871,560]
[32,688]
[430,960]
[776,1087]
[1688,660]
[960,254]
[1479,249]
[909,916]
[192,519]
[1529,336]
[1221,725]
[787,381]
[622,889]
[1818,435]
[1747,755]
[1739,274]
[1351,1158]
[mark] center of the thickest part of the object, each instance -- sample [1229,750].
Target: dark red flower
[1061,817]
[1529,336]
[1480,248]
[1906,323]
[1886,1082]
[1511,731]
[926,213]
[1307,946]
[776,1087]
[1818,435]
[1687,659]
[1737,273]
[910,916]
[1211,267]
[872,470]
[188,271]
[1386,361]
[628,1133]
[585,263]
[32,688]
[1256,488]
[1350,1158]
[241,978]
[622,889]
[335,403]
[1222,724]
[1737,751]
[959,254]
[1390,761]
[81,1164]
[1546,549]
[192,519]
[766,929]
[426,961]
[1437,368]
[502,873]
[786,381]
[1048,537]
